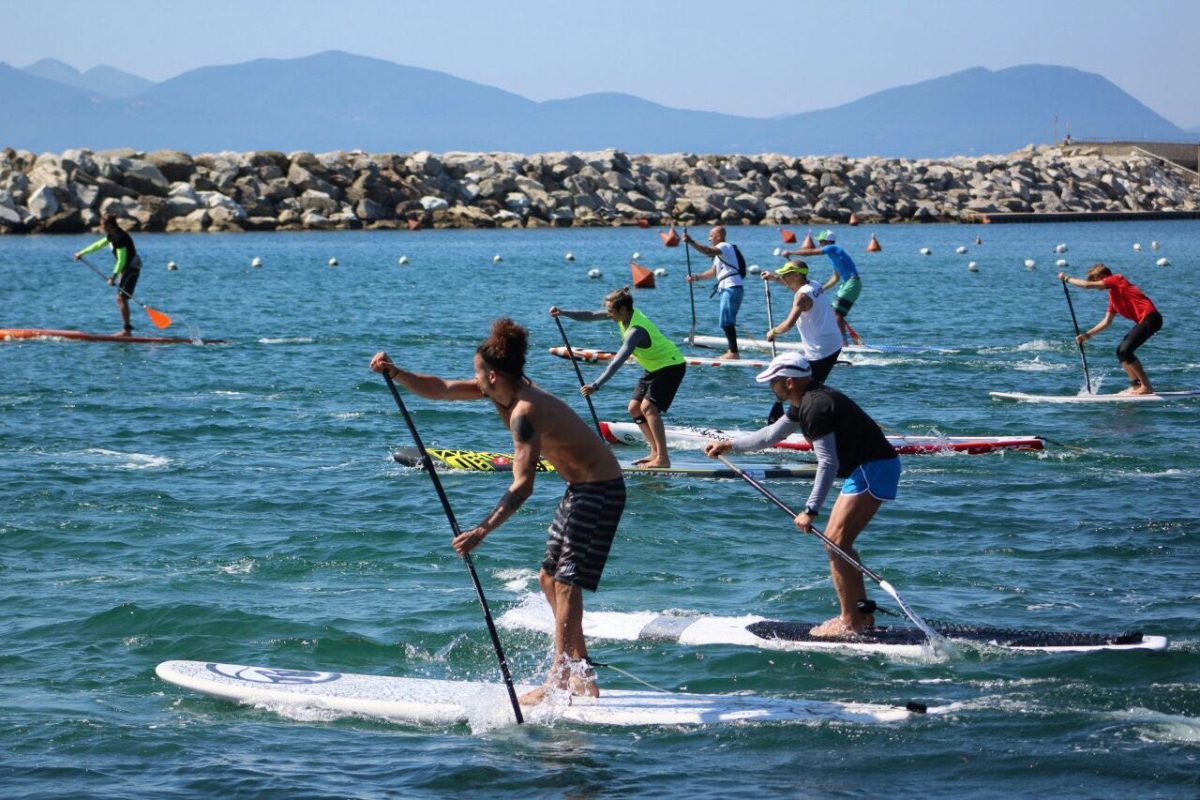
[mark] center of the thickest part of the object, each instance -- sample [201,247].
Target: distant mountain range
[340,101]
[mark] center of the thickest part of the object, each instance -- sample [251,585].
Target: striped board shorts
[582,532]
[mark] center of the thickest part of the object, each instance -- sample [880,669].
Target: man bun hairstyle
[1098,272]
[620,299]
[504,349]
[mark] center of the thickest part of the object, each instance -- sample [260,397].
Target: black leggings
[1137,337]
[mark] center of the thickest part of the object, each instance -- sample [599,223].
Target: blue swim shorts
[880,478]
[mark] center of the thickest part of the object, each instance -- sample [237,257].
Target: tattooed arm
[527,447]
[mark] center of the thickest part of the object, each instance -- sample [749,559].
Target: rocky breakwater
[266,190]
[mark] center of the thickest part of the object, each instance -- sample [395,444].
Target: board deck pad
[629,433]
[1157,397]
[25,334]
[425,701]
[484,461]
[768,634]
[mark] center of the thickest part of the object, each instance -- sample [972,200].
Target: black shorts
[823,366]
[582,532]
[660,386]
[127,281]
[1137,337]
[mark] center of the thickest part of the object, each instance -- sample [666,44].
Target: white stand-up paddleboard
[781,344]
[423,701]
[767,634]
[691,361]
[696,438]
[1157,397]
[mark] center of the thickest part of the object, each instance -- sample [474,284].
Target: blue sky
[750,57]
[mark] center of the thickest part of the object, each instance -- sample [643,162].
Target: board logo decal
[276,677]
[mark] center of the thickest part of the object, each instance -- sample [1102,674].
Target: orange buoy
[853,219]
[670,237]
[643,222]
[808,242]
[789,237]
[643,277]
[873,246]
[414,224]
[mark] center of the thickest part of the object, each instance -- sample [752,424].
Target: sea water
[238,503]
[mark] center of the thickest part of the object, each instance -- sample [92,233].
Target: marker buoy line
[789,237]
[643,277]
[159,319]
[934,638]
[808,243]
[873,246]
[670,237]
[853,220]
[427,464]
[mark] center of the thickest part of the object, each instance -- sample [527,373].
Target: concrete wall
[1185,154]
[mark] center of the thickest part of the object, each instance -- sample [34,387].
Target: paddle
[777,409]
[578,374]
[427,463]
[934,638]
[159,319]
[853,333]
[1075,321]
[687,251]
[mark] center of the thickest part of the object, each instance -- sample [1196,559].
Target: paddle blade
[159,319]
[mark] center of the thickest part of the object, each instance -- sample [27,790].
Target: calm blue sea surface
[238,503]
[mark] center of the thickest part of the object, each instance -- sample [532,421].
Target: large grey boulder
[145,178]
[174,165]
[42,203]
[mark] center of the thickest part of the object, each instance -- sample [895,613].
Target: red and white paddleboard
[687,437]
[15,334]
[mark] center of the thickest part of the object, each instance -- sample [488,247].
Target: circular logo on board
[501,461]
[269,675]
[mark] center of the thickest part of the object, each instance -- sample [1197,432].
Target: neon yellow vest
[662,352]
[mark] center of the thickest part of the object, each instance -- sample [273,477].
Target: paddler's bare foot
[640,461]
[656,463]
[729,355]
[834,628]
[585,685]
[1140,390]
[124,332]
[534,696]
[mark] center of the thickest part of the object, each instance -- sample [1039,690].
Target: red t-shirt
[1126,299]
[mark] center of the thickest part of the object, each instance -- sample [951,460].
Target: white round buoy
[569,257]
[778,251]
[402,260]
[971,267]
[333,262]
[753,269]
[1062,262]
[1030,263]
[256,262]
[925,251]
[1137,247]
[1060,248]
[661,272]
[960,250]
[594,273]
[1162,262]
[1154,245]
[171,265]
[496,259]
[636,256]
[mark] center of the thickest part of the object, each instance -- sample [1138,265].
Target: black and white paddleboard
[422,701]
[483,461]
[1157,397]
[768,634]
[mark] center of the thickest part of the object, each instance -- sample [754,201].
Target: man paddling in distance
[1130,302]
[727,270]
[844,270]
[127,269]
[849,445]
[813,317]
[658,356]
[586,520]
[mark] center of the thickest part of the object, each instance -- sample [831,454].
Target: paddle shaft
[1075,321]
[687,252]
[152,312]
[830,544]
[427,463]
[578,374]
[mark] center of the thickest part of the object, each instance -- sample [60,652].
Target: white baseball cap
[785,365]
